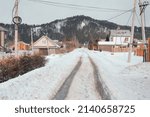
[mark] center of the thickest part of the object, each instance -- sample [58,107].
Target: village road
[82,83]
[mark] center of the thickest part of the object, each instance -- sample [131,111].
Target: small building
[118,41]
[120,36]
[23,46]
[45,46]
[2,37]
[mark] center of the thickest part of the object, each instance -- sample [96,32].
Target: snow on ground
[122,79]
[41,83]
[83,85]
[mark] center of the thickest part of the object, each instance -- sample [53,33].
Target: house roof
[23,43]
[3,29]
[120,33]
[42,43]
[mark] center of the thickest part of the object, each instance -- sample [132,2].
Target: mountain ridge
[82,27]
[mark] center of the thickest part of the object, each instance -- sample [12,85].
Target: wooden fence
[112,48]
[140,51]
[148,56]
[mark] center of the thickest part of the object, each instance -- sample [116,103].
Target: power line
[119,15]
[129,19]
[68,5]
[138,19]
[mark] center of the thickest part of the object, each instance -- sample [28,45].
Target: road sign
[17,20]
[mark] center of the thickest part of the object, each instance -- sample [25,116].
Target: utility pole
[132,32]
[16,20]
[32,40]
[142,6]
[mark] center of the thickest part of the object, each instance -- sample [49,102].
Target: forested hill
[81,27]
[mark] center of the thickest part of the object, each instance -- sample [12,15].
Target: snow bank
[123,80]
[41,83]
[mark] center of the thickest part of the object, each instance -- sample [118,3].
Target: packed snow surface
[83,86]
[123,80]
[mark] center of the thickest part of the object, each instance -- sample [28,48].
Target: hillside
[82,27]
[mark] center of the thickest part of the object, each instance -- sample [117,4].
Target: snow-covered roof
[111,43]
[3,29]
[120,33]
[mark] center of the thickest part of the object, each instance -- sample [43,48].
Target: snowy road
[82,74]
[80,84]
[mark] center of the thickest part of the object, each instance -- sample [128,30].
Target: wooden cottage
[23,46]
[45,46]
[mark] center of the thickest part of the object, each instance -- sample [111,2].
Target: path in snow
[84,83]
[81,83]
[98,83]
[63,91]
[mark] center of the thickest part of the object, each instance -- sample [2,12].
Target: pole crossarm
[143,6]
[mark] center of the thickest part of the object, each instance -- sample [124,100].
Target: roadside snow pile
[41,83]
[122,79]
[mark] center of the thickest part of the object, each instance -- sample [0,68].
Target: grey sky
[37,13]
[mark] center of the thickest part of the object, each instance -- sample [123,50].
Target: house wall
[22,46]
[44,51]
[120,40]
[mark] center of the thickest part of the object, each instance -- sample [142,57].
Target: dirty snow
[123,80]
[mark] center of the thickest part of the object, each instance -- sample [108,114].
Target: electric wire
[69,5]
[138,19]
[129,19]
[119,15]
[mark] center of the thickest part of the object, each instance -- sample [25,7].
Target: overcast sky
[37,13]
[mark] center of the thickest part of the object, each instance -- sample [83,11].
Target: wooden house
[120,36]
[118,41]
[45,46]
[23,46]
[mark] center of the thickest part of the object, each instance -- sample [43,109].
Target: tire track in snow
[63,91]
[98,83]
[83,85]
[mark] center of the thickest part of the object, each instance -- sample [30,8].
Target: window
[126,40]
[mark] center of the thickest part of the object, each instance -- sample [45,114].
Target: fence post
[148,57]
